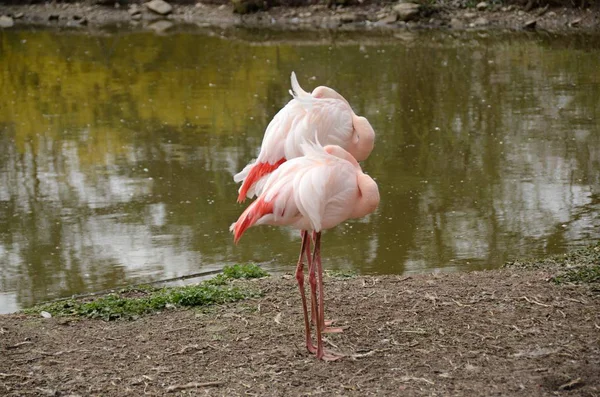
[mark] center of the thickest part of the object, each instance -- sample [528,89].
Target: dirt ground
[503,332]
[374,16]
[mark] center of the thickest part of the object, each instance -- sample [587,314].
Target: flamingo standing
[312,193]
[323,110]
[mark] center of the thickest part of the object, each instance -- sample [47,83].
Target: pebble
[6,22]
[480,22]
[407,11]
[159,6]
[482,6]
[389,19]
[18,15]
[530,25]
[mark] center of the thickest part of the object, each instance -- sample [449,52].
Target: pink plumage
[324,115]
[317,191]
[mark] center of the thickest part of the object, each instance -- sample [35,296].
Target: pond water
[118,150]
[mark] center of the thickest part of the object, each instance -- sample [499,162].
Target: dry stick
[192,385]
[4,375]
[534,301]
[569,385]
[19,344]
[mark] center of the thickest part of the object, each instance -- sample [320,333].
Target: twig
[4,375]
[176,329]
[460,304]
[192,385]
[363,355]
[184,349]
[570,384]
[19,344]
[409,378]
[534,301]
[414,331]
[330,342]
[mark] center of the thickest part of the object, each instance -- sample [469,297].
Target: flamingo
[312,193]
[324,110]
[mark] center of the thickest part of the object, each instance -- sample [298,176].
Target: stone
[520,13]
[470,15]
[348,17]
[551,14]
[456,23]
[136,17]
[480,22]
[18,15]
[161,26]
[134,9]
[160,7]
[407,11]
[6,22]
[392,18]
[575,23]
[248,6]
[530,25]
[482,6]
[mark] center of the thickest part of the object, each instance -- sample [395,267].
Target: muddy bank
[503,332]
[453,15]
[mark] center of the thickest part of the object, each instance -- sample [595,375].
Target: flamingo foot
[330,356]
[330,330]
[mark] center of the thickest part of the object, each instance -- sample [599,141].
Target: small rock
[551,14]
[46,314]
[482,6]
[249,6]
[530,25]
[392,18]
[407,11]
[480,22]
[6,22]
[305,14]
[18,15]
[136,17]
[159,6]
[348,17]
[469,15]
[161,26]
[575,23]
[520,13]
[53,17]
[134,9]
[456,23]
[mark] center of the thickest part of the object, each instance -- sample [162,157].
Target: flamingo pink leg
[321,353]
[324,324]
[300,278]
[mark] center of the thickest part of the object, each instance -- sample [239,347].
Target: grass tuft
[132,302]
[582,275]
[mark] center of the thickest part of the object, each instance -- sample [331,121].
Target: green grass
[341,273]
[578,266]
[582,275]
[132,302]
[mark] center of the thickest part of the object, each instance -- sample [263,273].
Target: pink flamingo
[312,193]
[323,110]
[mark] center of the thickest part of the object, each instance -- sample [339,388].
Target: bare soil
[367,16]
[507,332]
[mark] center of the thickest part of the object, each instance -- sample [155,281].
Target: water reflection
[118,151]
